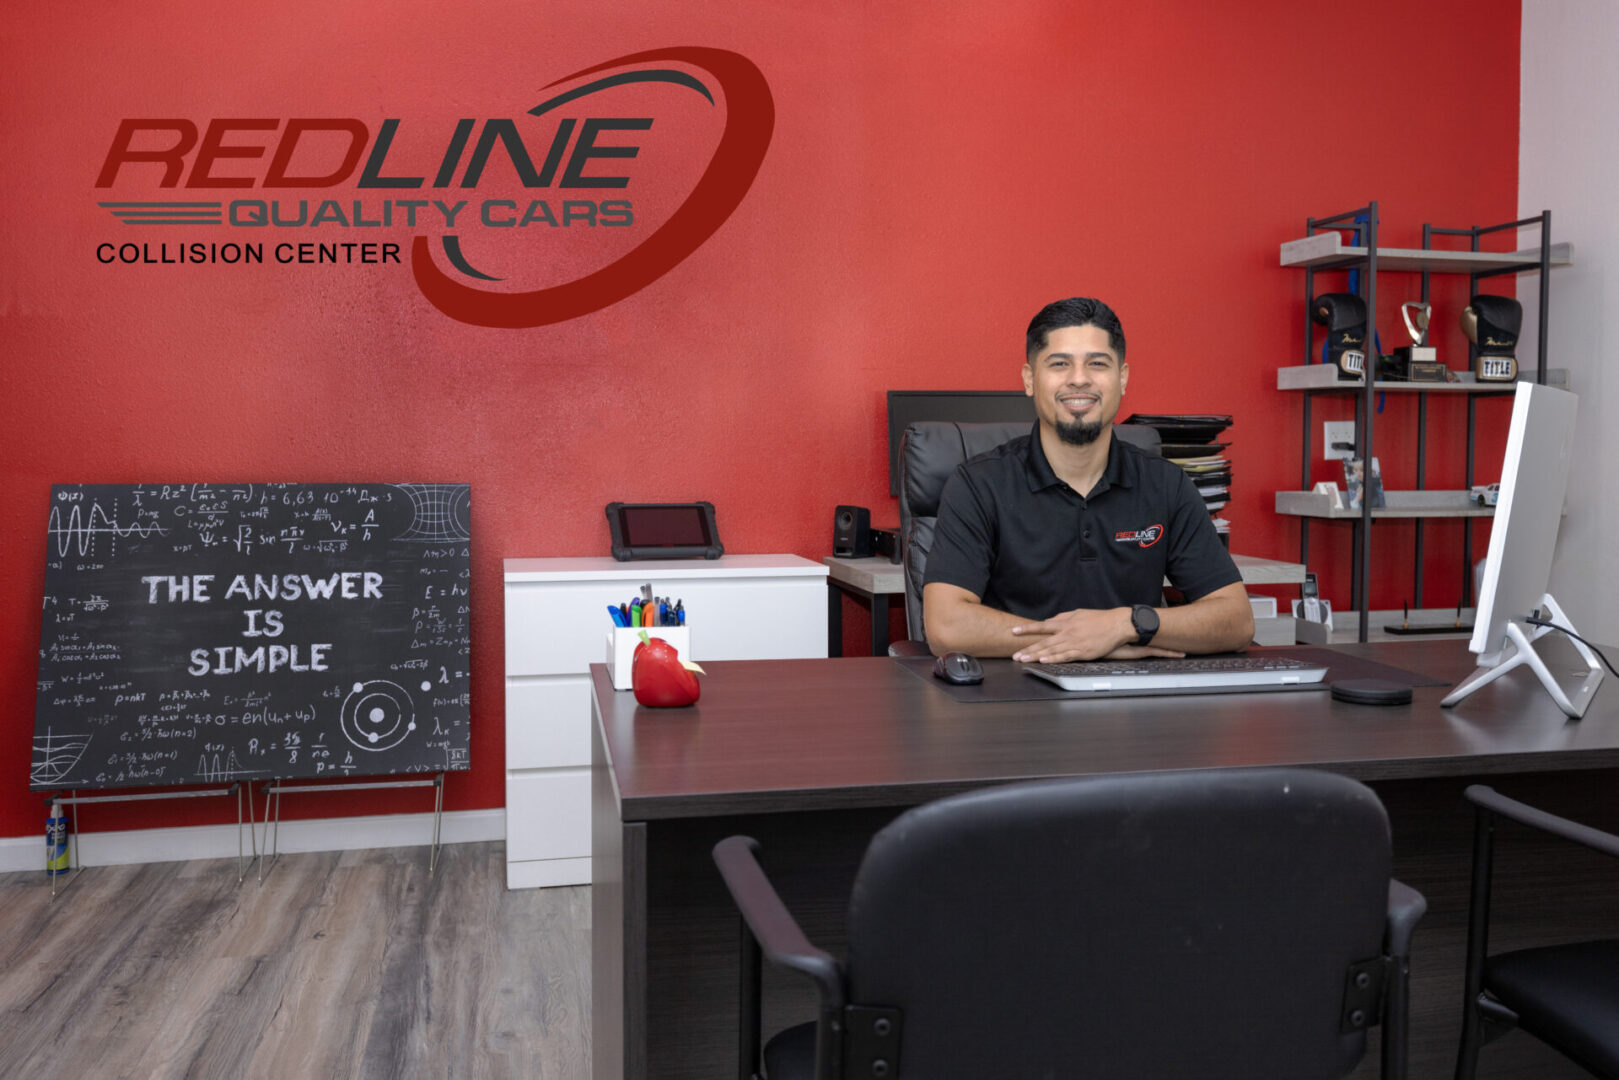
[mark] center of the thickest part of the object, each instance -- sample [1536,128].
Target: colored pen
[680,613]
[618,618]
[635,612]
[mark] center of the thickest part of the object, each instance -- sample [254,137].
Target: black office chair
[929,453]
[1221,923]
[1567,996]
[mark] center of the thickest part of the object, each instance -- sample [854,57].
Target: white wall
[1568,163]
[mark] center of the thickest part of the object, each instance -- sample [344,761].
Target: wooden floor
[354,964]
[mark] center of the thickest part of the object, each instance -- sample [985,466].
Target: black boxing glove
[1492,323]
[1344,316]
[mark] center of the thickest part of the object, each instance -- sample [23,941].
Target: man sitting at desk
[1055,546]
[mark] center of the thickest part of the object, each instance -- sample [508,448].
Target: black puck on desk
[1371,692]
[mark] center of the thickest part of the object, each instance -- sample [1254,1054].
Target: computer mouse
[958,668]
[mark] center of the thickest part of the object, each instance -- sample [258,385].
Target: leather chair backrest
[1199,923]
[929,454]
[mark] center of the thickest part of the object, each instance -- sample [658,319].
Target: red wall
[938,172]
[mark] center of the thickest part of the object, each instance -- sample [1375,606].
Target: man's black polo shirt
[1023,541]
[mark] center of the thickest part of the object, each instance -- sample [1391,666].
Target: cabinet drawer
[560,627]
[548,814]
[548,722]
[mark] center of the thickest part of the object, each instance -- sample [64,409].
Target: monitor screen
[1528,511]
[907,407]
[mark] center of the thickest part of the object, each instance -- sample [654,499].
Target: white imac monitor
[1517,570]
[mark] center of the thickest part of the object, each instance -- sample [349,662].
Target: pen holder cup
[621,644]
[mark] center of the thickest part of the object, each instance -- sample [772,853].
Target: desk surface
[849,733]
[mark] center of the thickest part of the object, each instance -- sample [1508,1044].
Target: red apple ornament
[661,680]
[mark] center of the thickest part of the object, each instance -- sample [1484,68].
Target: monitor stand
[1523,652]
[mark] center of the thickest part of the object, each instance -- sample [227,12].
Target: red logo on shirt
[1145,537]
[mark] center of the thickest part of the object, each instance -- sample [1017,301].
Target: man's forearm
[1222,621]
[957,620]
[971,627]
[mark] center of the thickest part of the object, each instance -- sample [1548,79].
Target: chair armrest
[768,919]
[1406,909]
[1523,814]
[908,648]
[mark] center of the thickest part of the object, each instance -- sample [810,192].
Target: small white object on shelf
[1331,491]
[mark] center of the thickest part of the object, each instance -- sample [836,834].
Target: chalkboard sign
[205,633]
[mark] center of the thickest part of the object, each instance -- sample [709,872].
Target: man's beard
[1079,433]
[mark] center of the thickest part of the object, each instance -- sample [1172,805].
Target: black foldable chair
[1223,923]
[1567,996]
[929,453]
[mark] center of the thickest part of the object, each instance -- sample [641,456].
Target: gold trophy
[1418,361]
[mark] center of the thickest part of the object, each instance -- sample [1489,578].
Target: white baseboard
[219,841]
[547,873]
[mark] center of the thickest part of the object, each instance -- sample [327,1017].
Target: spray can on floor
[56,861]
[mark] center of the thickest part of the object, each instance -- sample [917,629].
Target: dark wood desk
[813,756]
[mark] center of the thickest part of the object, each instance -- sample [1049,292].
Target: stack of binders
[1190,442]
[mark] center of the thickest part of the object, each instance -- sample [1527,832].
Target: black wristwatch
[1144,617]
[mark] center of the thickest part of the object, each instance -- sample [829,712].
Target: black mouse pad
[1005,680]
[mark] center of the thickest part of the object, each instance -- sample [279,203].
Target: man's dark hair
[1075,311]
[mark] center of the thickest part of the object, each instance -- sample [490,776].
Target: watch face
[1145,619]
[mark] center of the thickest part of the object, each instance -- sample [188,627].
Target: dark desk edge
[794,800]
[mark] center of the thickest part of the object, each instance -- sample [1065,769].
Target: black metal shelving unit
[1315,256]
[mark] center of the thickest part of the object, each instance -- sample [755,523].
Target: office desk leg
[618,971]
[834,620]
[879,624]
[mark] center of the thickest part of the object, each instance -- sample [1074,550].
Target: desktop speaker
[851,533]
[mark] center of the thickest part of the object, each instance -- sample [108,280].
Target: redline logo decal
[1145,537]
[749,124]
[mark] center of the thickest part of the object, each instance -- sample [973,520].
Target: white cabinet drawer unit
[738,607]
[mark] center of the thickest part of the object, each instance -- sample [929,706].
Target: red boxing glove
[659,678]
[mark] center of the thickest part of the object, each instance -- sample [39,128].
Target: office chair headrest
[932,450]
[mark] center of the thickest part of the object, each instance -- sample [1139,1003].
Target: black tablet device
[664,531]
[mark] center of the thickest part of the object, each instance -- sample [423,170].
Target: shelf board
[1346,624]
[1257,571]
[1401,504]
[1325,377]
[1327,251]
